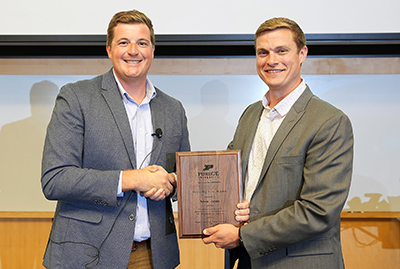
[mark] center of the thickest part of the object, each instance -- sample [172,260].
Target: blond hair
[285,23]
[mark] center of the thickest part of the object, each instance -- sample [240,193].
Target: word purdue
[208,174]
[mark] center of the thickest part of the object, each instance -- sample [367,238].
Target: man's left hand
[222,235]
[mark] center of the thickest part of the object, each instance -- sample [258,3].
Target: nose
[132,50]
[272,59]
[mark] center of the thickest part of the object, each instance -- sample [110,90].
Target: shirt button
[132,217]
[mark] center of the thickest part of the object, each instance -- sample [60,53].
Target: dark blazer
[304,183]
[88,143]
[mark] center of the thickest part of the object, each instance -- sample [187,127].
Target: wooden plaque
[209,187]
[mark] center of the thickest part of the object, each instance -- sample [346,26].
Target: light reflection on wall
[213,104]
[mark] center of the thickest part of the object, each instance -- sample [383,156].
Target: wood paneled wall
[369,240]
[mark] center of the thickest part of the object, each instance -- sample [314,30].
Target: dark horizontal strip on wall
[324,45]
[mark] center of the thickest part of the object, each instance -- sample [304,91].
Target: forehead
[276,38]
[131,30]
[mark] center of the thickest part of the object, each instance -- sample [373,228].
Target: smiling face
[131,51]
[279,60]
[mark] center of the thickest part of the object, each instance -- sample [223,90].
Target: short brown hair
[130,16]
[279,23]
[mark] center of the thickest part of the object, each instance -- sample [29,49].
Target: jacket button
[132,217]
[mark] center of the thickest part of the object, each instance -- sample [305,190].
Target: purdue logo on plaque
[209,187]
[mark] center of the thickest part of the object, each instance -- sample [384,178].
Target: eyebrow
[282,47]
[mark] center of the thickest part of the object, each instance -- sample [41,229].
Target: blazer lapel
[158,118]
[293,116]
[114,101]
[251,128]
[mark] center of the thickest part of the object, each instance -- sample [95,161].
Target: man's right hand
[153,181]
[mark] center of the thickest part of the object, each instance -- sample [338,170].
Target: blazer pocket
[289,170]
[292,160]
[174,139]
[321,246]
[80,212]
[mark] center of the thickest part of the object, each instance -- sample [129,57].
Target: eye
[261,53]
[123,43]
[143,43]
[283,51]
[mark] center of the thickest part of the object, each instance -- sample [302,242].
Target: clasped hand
[160,193]
[152,182]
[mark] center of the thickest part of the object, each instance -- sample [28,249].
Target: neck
[136,89]
[277,95]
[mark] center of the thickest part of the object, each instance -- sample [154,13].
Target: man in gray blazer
[108,161]
[297,154]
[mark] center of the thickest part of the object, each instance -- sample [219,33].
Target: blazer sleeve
[64,175]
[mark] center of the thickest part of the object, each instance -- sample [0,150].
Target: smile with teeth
[133,61]
[275,71]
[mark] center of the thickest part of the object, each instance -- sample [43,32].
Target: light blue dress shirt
[142,129]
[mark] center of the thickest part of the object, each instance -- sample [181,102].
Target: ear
[108,49]
[303,54]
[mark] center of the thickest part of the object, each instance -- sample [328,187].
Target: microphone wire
[96,256]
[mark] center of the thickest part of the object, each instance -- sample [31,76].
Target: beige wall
[200,66]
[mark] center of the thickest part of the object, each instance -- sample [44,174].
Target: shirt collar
[283,107]
[150,91]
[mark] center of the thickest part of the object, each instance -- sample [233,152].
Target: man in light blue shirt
[109,159]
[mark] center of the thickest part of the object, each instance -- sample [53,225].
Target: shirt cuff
[120,193]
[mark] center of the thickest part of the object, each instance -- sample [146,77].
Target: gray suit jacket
[295,209]
[88,143]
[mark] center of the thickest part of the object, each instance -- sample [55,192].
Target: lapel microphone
[157,133]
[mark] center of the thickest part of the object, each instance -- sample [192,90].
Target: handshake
[153,182]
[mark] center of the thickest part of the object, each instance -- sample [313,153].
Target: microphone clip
[158,133]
